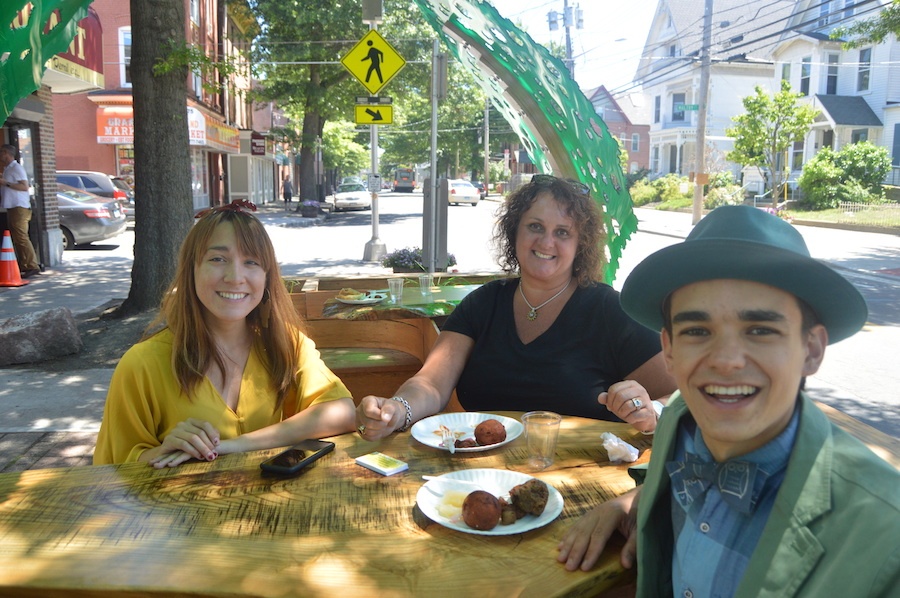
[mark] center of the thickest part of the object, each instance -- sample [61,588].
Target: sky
[607,50]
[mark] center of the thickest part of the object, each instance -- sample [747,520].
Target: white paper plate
[369,299]
[427,431]
[496,481]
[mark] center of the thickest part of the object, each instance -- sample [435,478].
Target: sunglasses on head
[577,186]
[238,205]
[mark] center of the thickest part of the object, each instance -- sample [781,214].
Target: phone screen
[289,458]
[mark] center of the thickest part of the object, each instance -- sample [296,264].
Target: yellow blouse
[145,403]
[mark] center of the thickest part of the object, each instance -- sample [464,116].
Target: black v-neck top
[591,345]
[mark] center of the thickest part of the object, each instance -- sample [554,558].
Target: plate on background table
[496,481]
[428,430]
[370,299]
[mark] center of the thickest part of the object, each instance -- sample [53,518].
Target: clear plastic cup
[425,282]
[396,287]
[541,434]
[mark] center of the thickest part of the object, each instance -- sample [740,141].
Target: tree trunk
[164,208]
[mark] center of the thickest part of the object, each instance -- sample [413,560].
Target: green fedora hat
[745,243]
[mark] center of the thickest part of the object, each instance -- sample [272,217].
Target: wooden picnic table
[223,528]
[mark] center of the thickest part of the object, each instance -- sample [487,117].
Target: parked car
[122,184]
[85,217]
[482,193]
[98,183]
[353,196]
[462,191]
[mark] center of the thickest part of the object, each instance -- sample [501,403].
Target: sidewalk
[51,419]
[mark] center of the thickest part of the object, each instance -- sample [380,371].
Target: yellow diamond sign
[373,61]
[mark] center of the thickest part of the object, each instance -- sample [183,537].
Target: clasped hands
[378,417]
[190,439]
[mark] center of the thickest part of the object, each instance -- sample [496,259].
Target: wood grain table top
[222,528]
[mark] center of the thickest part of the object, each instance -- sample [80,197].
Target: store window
[199,178]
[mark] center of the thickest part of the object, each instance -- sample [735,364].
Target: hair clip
[238,205]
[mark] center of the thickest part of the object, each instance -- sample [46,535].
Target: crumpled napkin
[617,449]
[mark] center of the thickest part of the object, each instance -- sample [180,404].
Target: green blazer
[834,529]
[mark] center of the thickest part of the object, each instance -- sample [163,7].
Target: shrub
[820,180]
[643,192]
[868,164]
[726,195]
[669,188]
[410,258]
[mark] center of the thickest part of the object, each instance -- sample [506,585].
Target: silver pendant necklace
[532,314]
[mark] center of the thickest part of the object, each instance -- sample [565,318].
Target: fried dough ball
[530,497]
[507,513]
[481,510]
[490,431]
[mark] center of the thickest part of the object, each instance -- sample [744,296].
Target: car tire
[68,239]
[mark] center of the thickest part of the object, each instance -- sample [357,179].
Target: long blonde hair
[181,311]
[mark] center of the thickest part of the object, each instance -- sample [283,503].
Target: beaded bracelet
[408,413]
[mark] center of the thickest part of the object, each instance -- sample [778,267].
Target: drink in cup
[541,433]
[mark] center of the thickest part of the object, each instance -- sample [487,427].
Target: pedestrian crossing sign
[373,61]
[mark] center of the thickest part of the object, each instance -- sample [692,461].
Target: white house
[758,44]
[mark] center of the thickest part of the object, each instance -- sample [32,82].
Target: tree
[873,30]
[293,52]
[766,131]
[161,152]
[341,152]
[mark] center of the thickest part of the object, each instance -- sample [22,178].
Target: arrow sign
[374,114]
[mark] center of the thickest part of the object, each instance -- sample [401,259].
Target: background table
[223,528]
[439,303]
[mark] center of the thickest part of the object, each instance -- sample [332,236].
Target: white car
[462,191]
[354,196]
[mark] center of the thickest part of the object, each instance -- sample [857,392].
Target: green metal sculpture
[555,122]
[30,38]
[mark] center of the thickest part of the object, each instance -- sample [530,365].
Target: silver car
[353,196]
[462,191]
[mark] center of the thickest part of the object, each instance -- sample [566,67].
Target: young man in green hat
[751,490]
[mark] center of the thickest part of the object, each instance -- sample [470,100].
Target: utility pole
[572,17]
[487,144]
[701,177]
[374,249]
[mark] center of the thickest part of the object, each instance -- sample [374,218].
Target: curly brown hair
[590,256]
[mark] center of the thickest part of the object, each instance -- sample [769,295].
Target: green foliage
[340,150]
[633,177]
[768,127]
[723,195]
[216,75]
[873,30]
[853,174]
[643,192]
[867,163]
[820,180]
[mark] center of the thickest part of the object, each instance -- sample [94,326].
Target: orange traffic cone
[9,267]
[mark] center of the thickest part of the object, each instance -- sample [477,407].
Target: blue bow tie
[739,482]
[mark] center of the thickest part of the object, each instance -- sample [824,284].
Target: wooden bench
[373,357]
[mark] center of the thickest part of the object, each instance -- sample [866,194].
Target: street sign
[373,61]
[686,107]
[374,114]
[374,99]
[374,183]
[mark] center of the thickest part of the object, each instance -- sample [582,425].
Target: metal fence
[878,215]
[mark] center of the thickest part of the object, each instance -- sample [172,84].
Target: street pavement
[859,376]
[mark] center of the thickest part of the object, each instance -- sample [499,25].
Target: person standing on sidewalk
[17,203]
[287,189]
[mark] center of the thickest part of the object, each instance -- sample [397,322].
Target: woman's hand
[377,417]
[585,540]
[631,403]
[190,439]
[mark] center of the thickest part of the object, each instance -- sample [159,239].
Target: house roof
[848,111]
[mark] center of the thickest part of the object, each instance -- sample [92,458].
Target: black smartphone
[293,460]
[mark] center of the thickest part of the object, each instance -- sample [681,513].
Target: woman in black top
[554,338]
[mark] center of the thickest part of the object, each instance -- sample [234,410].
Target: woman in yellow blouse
[231,370]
